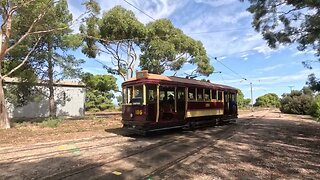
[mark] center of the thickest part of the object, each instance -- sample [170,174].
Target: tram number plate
[138,112]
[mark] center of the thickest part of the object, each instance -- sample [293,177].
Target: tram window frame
[219,96]
[137,98]
[124,95]
[130,94]
[206,94]
[153,89]
[214,94]
[200,92]
[226,99]
[180,95]
[193,92]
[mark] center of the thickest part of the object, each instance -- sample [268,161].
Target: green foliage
[168,48]
[162,46]
[287,22]
[21,93]
[51,122]
[296,102]
[315,108]
[242,102]
[99,93]
[53,47]
[117,33]
[313,83]
[119,100]
[268,100]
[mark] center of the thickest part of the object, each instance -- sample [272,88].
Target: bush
[315,108]
[297,102]
[51,122]
[268,100]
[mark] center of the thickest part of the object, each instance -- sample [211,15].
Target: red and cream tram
[154,102]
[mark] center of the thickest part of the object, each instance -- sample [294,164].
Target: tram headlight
[131,115]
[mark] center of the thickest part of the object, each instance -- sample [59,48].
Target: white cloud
[270,68]
[216,3]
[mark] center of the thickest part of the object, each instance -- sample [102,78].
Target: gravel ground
[261,145]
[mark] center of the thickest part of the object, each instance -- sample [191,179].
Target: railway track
[84,172]
[48,145]
[169,142]
[223,135]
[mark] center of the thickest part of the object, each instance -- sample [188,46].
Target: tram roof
[149,77]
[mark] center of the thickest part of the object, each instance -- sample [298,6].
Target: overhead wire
[139,10]
[215,58]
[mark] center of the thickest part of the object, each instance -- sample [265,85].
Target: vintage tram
[153,102]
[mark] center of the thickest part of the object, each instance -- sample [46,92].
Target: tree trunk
[4,120]
[52,107]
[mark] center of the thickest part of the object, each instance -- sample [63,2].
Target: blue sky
[224,27]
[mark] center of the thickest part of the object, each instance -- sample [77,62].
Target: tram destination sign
[142,74]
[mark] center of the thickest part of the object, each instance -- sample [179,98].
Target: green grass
[51,122]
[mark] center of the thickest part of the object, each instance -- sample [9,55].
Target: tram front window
[137,98]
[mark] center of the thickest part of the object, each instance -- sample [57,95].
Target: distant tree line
[304,102]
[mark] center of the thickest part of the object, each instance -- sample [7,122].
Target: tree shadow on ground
[50,168]
[269,148]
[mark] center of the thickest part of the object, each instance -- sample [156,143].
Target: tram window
[191,93]
[214,94]
[137,95]
[125,95]
[226,95]
[233,97]
[200,94]
[206,94]
[181,95]
[129,91]
[151,93]
[163,96]
[219,95]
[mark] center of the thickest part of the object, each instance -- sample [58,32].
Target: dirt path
[261,145]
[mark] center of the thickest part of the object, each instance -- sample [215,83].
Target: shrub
[315,108]
[297,102]
[51,122]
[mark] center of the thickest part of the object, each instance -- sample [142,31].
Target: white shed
[69,100]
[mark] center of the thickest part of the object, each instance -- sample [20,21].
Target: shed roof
[10,80]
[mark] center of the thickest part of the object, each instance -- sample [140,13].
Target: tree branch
[24,61]
[27,33]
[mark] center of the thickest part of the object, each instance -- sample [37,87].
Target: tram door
[181,103]
[152,99]
[226,103]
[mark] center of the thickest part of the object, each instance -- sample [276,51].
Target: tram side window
[192,94]
[219,95]
[200,94]
[226,99]
[129,91]
[151,93]
[214,94]
[207,94]
[180,95]
[125,95]
[137,95]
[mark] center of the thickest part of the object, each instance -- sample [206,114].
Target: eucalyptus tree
[168,48]
[24,26]
[99,93]
[51,59]
[289,22]
[118,33]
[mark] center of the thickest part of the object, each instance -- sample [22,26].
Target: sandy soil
[261,145]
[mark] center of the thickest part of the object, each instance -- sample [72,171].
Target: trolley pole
[251,96]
